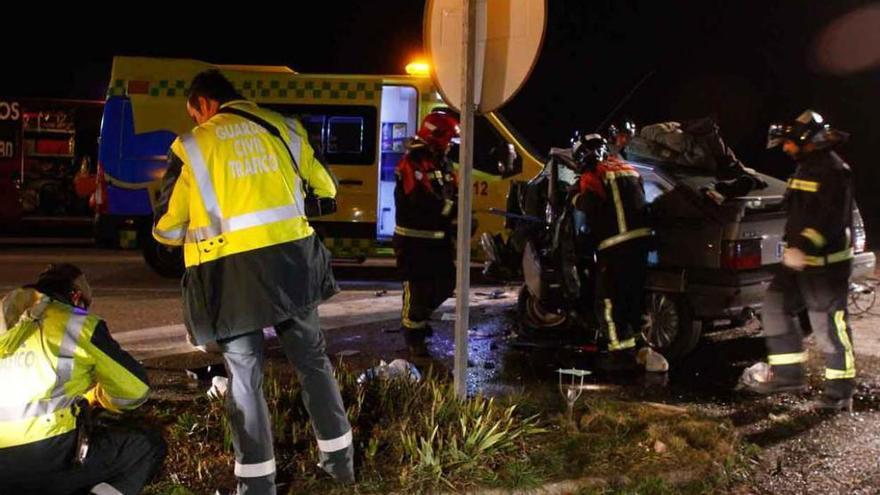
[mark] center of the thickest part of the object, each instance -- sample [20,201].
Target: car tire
[164,260]
[536,322]
[668,325]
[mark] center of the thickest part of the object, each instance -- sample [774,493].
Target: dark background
[746,62]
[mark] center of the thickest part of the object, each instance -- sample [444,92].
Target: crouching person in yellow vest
[234,197]
[52,354]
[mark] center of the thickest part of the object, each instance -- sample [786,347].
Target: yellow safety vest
[47,361]
[237,190]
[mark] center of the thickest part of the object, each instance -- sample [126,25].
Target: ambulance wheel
[164,260]
[668,325]
[535,321]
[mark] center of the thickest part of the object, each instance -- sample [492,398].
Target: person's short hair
[213,85]
[59,280]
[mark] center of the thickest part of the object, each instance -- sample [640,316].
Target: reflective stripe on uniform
[837,257]
[618,206]
[815,237]
[127,403]
[803,185]
[626,344]
[421,234]
[64,368]
[832,374]
[335,444]
[848,357]
[257,470]
[246,221]
[105,489]
[621,173]
[617,239]
[612,329]
[173,235]
[447,207]
[295,148]
[404,316]
[295,145]
[413,325]
[203,177]
[784,359]
[35,408]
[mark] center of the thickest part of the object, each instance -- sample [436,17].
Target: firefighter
[619,137]
[816,265]
[425,199]
[235,196]
[611,194]
[54,359]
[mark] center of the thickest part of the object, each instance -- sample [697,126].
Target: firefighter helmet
[438,129]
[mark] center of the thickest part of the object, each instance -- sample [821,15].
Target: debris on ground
[653,361]
[754,375]
[206,373]
[495,294]
[399,368]
[219,386]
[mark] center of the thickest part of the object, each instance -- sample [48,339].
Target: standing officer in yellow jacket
[54,356]
[235,196]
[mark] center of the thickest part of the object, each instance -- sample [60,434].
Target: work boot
[339,465]
[776,381]
[617,361]
[831,404]
[836,397]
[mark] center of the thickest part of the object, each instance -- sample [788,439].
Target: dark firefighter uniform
[425,201]
[51,355]
[819,203]
[234,198]
[613,198]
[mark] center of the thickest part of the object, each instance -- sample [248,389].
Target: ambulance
[362,123]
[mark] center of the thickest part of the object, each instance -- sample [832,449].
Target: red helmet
[438,129]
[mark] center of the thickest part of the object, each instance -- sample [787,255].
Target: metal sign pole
[465,186]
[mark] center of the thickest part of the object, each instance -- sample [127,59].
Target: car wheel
[536,321]
[164,260]
[668,325]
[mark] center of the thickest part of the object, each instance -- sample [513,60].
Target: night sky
[746,62]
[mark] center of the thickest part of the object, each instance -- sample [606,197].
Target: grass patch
[418,437]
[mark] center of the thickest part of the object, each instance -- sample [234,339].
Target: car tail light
[742,254]
[859,243]
[859,239]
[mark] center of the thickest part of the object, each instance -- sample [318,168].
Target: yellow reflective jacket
[236,189]
[51,354]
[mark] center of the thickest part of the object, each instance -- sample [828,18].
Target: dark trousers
[822,294]
[428,271]
[620,281]
[119,461]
